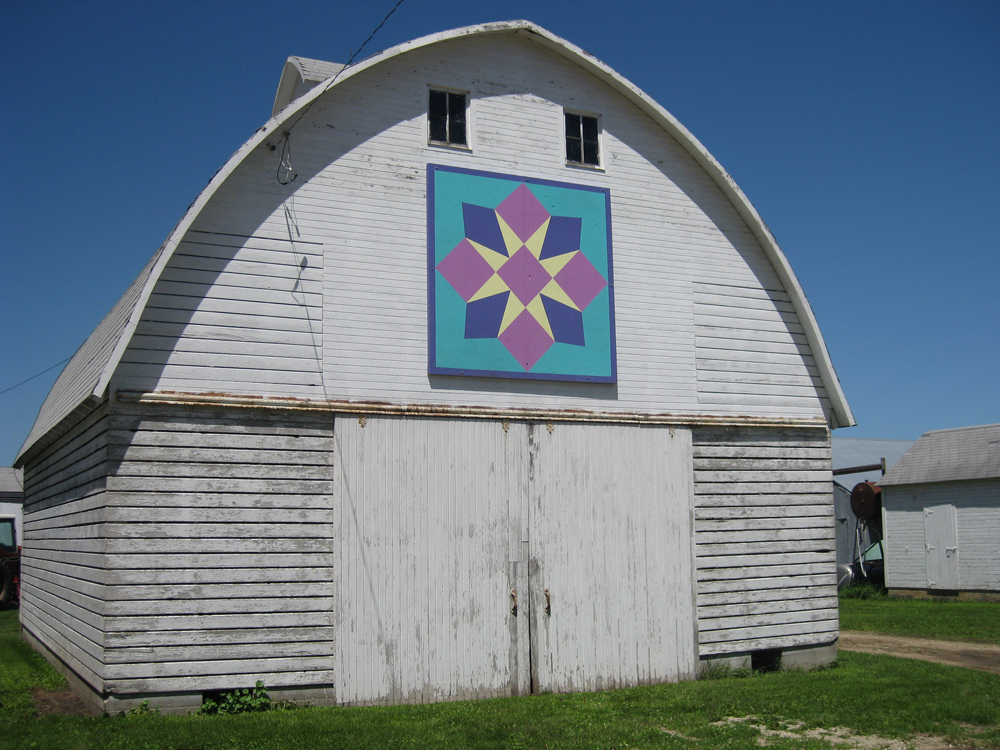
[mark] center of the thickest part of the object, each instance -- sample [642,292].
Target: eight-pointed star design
[522,275]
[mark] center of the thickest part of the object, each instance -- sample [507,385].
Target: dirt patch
[982,656]
[840,737]
[58,702]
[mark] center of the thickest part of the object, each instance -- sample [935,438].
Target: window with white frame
[583,137]
[446,120]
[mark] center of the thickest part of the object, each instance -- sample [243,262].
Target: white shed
[472,373]
[941,502]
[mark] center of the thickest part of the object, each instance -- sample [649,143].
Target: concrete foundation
[962,596]
[799,657]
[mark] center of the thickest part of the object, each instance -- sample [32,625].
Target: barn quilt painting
[520,277]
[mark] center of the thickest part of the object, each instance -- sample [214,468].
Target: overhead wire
[36,375]
[285,160]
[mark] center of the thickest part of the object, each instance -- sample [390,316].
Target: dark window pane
[590,129]
[439,104]
[590,153]
[572,126]
[573,150]
[446,117]
[439,128]
[456,107]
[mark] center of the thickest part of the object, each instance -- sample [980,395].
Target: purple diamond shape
[525,276]
[526,340]
[580,280]
[465,269]
[522,212]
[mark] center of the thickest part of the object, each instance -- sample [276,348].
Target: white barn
[941,503]
[472,373]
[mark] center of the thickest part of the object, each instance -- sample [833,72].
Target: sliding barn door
[422,573]
[611,579]
[476,558]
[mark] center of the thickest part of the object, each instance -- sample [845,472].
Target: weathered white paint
[764,539]
[424,568]
[731,346]
[679,220]
[975,565]
[442,519]
[62,570]
[610,541]
[218,553]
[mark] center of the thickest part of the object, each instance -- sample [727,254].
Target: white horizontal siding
[63,574]
[237,314]
[977,514]
[219,560]
[750,349]
[764,539]
[360,199]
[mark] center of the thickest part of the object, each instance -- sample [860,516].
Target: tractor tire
[7,592]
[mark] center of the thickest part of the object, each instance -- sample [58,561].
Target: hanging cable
[36,375]
[285,162]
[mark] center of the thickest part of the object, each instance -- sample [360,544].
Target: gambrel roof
[951,455]
[84,382]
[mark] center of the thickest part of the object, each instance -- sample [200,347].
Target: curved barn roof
[84,381]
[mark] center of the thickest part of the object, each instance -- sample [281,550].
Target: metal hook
[548,603]
[513,596]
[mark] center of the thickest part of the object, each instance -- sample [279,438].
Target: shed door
[610,566]
[941,541]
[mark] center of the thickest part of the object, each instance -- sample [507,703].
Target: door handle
[548,603]
[513,598]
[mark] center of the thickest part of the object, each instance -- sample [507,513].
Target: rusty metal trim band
[467,412]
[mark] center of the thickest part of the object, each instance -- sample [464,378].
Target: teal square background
[450,351]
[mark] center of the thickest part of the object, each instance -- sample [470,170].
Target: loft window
[446,118]
[582,140]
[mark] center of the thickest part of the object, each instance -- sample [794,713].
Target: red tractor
[10,563]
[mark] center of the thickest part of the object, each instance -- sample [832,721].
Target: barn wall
[977,516]
[764,539]
[220,568]
[63,568]
[703,324]
[233,310]
[374,562]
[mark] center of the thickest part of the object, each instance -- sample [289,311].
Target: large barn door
[422,567]
[941,541]
[479,559]
[611,580]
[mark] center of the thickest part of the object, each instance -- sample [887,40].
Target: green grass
[944,619]
[21,669]
[868,694]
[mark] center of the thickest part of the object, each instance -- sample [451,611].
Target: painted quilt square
[520,278]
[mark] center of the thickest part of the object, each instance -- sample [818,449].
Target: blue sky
[866,134]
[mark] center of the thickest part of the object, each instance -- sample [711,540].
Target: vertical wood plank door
[611,578]
[426,555]
[941,542]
